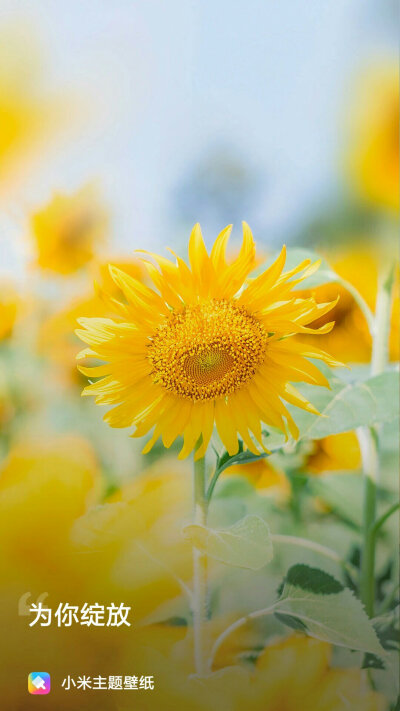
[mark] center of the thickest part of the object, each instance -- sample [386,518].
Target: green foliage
[388,629]
[348,406]
[313,580]
[344,407]
[327,610]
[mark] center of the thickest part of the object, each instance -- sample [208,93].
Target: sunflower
[206,346]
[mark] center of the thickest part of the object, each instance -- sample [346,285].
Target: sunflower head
[205,345]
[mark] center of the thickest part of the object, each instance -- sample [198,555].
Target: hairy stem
[199,599]
[236,625]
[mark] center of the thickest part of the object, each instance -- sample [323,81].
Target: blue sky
[165,81]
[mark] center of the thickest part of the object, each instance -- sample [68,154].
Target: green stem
[368,438]
[379,523]
[199,600]
[212,484]
[236,625]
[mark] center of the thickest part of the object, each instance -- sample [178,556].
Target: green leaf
[345,407]
[313,580]
[348,406]
[371,661]
[388,629]
[327,609]
[246,544]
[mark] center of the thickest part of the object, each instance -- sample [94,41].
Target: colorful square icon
[39,683]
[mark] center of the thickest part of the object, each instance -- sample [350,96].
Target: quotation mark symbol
[23,605]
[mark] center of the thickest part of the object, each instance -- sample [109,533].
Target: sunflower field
[232,480]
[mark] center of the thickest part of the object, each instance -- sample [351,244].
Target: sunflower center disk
[208,350]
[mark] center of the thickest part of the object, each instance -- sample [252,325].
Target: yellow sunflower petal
[218,251]
[225,428]
[206,429]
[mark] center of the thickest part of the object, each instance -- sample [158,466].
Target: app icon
[39,683]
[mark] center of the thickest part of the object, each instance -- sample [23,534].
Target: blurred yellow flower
[266,477]
[27,114]
[56,536]
[296,674]
[9,306]
[44,487]
[293,674]
[373,154]
[57,339]
[132,545]
[203,349]
[339,452]
[69,230]
[350,340]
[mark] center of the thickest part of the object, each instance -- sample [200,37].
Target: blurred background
[189,111]
[121,125]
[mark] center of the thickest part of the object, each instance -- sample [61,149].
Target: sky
[161,84]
